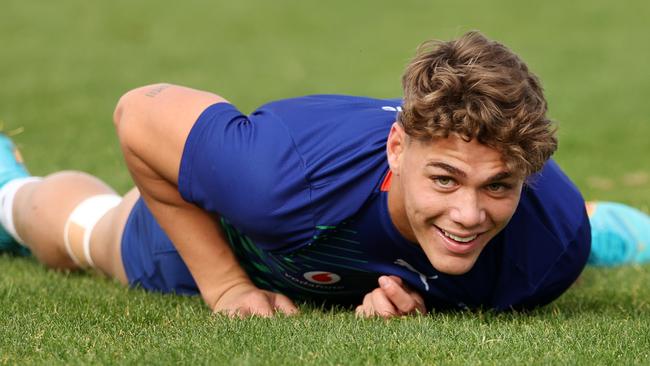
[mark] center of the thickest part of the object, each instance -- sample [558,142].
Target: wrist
[215,295]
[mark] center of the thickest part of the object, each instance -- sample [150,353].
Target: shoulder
[551,215]
[553,202]
[341,141]
[332,101]
[329,108]
[547,242]
[289,164]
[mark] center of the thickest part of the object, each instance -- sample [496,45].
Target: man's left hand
[392,298]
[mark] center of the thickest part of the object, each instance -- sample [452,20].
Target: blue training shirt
[297,184]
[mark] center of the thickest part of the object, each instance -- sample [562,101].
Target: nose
[466,209]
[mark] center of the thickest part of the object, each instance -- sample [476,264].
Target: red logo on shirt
[321,277]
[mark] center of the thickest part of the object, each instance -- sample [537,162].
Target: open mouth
[459,244]
[461,239]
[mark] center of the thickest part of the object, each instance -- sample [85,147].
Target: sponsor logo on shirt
[313,285]
[322,277]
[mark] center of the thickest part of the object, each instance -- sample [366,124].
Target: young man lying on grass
[443,199]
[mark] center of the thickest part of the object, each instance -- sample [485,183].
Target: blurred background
[65,63]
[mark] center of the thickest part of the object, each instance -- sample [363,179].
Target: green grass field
[64,64]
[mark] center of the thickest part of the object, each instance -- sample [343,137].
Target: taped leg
[80,224]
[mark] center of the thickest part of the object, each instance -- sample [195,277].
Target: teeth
[460,238]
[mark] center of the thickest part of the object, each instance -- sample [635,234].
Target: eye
[497,187]
[444,182]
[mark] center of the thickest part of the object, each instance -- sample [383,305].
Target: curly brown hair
[478,89]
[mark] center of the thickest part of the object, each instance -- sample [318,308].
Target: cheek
[421,202]
[503,211]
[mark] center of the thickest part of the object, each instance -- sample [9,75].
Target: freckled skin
[449,184]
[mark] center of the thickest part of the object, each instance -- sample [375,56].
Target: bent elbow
[118,112]
[121,108]
[125,110]
[128,100]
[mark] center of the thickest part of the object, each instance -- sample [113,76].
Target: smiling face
[450,196]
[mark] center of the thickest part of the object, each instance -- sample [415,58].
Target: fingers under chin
[289,311]
[382,305]
[397,280]
[364,312]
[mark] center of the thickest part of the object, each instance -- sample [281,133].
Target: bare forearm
[195,233]
[203,246]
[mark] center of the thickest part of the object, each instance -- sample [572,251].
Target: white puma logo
[392,109]
[423,278]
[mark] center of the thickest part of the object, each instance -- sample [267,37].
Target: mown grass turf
[63,65]
[52,317]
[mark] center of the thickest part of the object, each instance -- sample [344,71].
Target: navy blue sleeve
[246,169]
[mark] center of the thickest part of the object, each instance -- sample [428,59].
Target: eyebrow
[450,169]
[457,172]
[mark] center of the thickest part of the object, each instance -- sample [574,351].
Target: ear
[395,146]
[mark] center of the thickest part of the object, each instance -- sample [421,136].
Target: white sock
[7,194]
